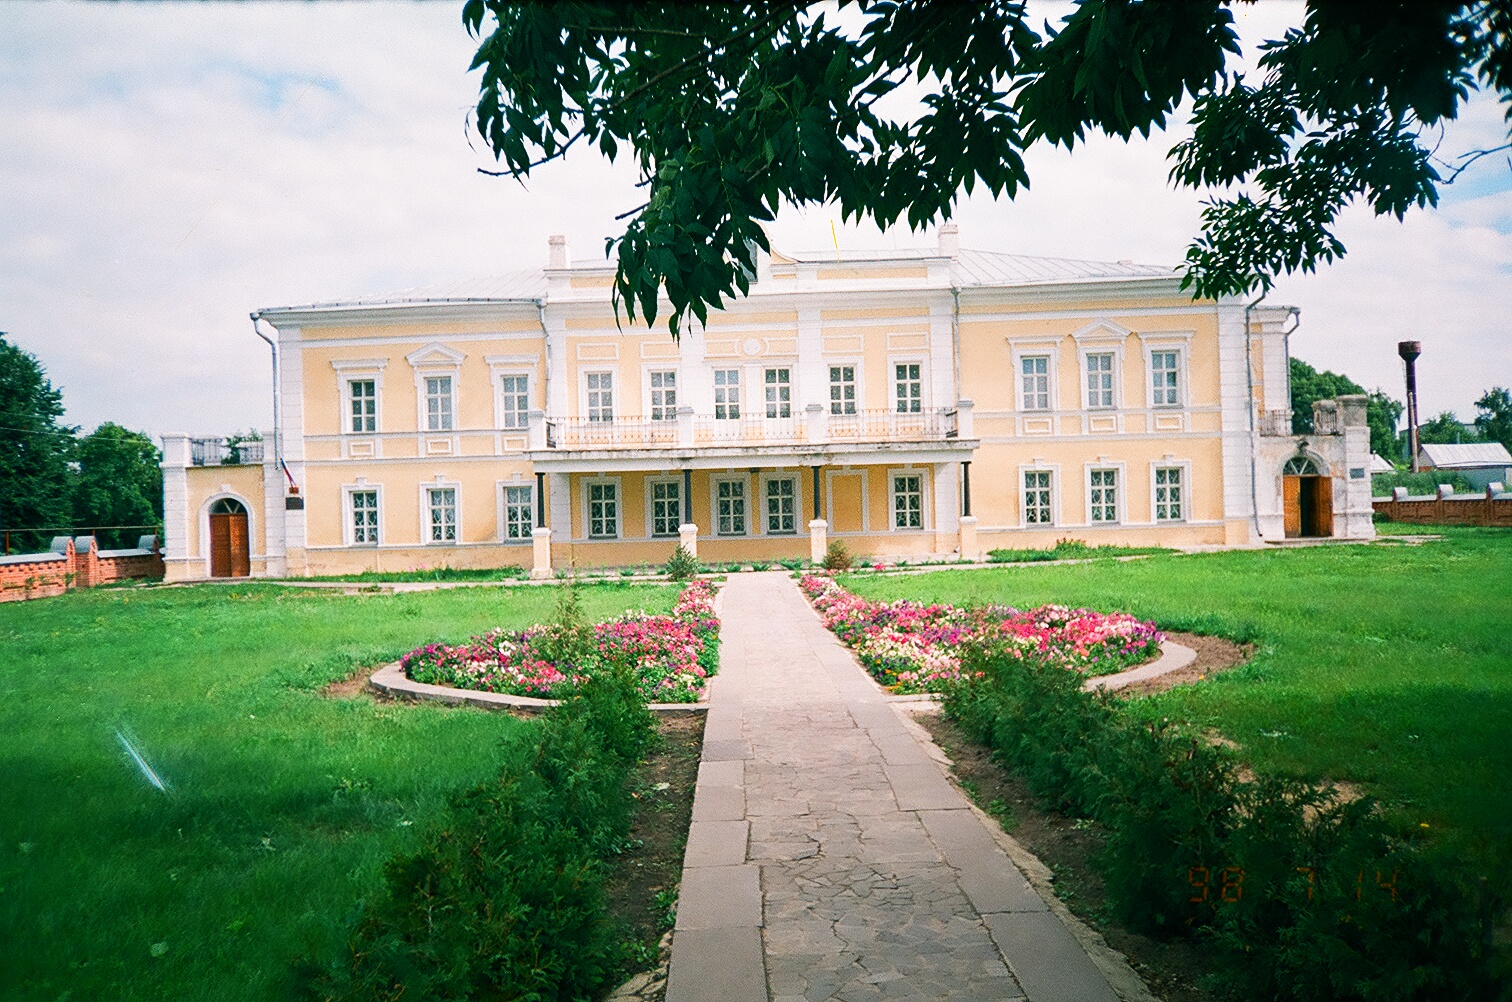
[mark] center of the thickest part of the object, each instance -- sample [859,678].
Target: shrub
[837,557]
[506,897]
[683,566]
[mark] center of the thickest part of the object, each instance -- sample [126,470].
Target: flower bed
[669,656]
[911,647]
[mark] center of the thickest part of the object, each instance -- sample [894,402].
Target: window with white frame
[1034,373]
[1165,377]
[600,396]
[438,403]
[364,518]
[730,507]
[909,387]
[518,514]
[781,506]
[842,389]
[1103,495]
[443,514]
[515,388]
[726,394]
[664,396]
[364,396]
[1168,495]
[1038,500]
[1100,381]
[779,393]
[666,507]
[908,501]
[603,510]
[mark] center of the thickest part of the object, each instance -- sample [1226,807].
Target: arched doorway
[230,554]
[1307,498]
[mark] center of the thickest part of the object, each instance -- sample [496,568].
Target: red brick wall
[1461,510]
[53,574]
[121,568]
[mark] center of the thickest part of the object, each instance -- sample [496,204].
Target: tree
[1381,412]
[1446,428]
[733,109]
[118,483]
[1494,416]
[35,450]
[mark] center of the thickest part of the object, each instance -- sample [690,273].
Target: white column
[540,541]
[965,424]
[560,494]
[813,380]
[176,514]
[274,515]
[818,424]
[818,540]
[687,535]
[947,506]
[537,428]
[969,550]
[685,426]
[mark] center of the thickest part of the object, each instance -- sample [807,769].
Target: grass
[429,574]
[1386,666]
[283,803]
[1071,549]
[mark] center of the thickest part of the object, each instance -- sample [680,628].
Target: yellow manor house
[924,404]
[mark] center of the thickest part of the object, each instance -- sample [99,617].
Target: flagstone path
[829,857]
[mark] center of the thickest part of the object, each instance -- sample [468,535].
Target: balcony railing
[813,426]
[225,452]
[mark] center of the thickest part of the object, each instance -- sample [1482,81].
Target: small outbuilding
[1379,465]
[1481,463]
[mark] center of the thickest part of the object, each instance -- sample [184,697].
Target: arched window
[1299,466]
[227,506]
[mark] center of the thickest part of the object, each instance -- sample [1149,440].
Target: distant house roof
[1465,456]
[969,269]
[1379,465]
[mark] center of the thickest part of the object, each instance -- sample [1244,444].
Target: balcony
[225,452]
[812,435]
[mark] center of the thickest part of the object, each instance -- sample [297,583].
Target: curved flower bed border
[670,656]
[912,648]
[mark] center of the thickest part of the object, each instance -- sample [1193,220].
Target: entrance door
[230,554]
[1307,500]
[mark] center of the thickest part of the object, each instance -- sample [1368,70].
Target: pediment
[435,354]
[1102,330]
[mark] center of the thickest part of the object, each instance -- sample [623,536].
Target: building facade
[914,404]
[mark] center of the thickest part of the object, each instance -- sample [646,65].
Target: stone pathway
[829,857]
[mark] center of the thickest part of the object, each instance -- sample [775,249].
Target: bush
[506,898]
[1419,484]
[1311,897]
[683,566]
[837,557]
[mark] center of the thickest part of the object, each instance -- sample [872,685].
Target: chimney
[950,240]
[559,257]
[1410,350]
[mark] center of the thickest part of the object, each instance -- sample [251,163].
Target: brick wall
[75,563]
[1453,509]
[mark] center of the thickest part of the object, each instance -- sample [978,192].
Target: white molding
[1036,349]
[347,527]
[926,489]
[1056,519]
[800,520]
[498,368]
[435,354]
[660,365]
[1185,466]
[895,359]
[619,509]
[1120,496]
[1102,329]
[616,387]
[1183,375]
[1116,349]
[682,504]
[858,364]
[204,523]
[717,477]
[500,529]
[359,364]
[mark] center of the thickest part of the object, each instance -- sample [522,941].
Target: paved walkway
[829,857]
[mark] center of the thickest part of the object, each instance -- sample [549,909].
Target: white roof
[1379,465]
[1465,455]
[970,269]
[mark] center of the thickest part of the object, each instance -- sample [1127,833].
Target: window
[729,507]
[518,520]
[365,517]
[842,389]
[908,501]
[516,401]
[603,510]
[910,388]
[1164,375]
[1299,466]
[1100,381]
[1104,495]
[726,394]
[781,507]
[1168,494]
[600,396]
[1035,370]
[1037,499]
[779,393]
[443,514]
[438,403]
[666,507]
[664,396]
[364,404]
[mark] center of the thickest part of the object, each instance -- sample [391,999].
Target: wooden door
[1322,506]
[1291,505]
[230,554]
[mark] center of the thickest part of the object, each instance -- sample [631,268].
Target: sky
[165,169]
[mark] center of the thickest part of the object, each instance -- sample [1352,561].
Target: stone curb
[391,681]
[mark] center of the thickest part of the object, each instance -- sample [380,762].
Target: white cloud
[166,169]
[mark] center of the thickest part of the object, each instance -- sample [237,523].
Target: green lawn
[1389,666]
[282,803]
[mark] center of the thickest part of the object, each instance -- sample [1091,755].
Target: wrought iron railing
[225,452]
